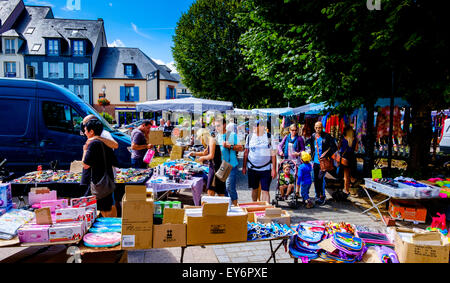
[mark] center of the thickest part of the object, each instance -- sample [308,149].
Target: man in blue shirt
[229,148]
[320,142]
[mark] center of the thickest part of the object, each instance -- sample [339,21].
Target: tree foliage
[340,51]
[208,56]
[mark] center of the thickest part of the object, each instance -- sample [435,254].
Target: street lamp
[104,91]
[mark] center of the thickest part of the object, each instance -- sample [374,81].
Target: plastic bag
[149,156]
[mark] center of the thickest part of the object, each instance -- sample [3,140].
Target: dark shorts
[138,163]
[256,177]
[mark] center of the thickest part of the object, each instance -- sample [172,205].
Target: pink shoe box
[70,214]
[70,231]
[34,198]
[33,233]
[55,204]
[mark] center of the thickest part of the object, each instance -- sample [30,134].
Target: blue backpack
[304,245]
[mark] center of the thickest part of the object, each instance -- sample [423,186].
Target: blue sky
[145,24]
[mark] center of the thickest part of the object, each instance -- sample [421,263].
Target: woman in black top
[212,154]
[98,158]
[347,149]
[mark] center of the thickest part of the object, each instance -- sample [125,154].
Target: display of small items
[443,184]
[259,231]
[386,181]
[175,173]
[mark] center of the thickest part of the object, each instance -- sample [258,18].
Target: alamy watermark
[373,5]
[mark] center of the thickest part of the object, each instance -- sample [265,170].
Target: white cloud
[110,4]
[171,65]
[116,43]
[136,30]
[73,5]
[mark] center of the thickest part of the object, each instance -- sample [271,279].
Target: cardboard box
[407,211]
[167,141]
[255,206]
[76,166]
[156,137]
[172,233]
[176,153]
[214,226]
[420,249]
[137,219]
[276,215]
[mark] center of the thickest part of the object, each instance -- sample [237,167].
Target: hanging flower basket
[103,102]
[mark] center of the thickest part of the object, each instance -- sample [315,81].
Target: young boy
[287,181]
[304,179]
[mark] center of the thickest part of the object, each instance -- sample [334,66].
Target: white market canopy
[190,104]
[265,111]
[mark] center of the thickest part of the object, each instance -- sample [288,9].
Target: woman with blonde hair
[212,155]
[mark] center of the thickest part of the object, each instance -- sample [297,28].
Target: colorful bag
[386,255]
[305,244]
[149,156]
[348,249]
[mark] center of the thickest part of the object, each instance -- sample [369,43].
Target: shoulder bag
[326,163]
[224,170]
[106,184]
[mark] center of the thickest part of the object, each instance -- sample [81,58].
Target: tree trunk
[369,142]
[420,139]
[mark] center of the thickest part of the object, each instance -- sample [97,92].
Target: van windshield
[90,110]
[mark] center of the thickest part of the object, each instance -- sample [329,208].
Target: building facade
[127,76]
[36,45]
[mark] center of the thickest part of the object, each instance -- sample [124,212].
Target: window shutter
[61,70]
[122,93]
[168,93]
[136,93]
[86,71]
[70,70]
[45,69]
[86,93]
[174,93]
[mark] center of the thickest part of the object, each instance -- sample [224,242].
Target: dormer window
[129,70]
[53,47]
[10,47]
[36,47]
[78,48]
[30,30]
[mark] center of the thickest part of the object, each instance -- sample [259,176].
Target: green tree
[208,56]
[342,52]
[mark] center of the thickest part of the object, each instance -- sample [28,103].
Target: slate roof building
[37,45]
[126,76]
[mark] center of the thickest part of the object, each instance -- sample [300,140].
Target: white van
[444,145]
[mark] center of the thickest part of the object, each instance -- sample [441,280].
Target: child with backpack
[304,179]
